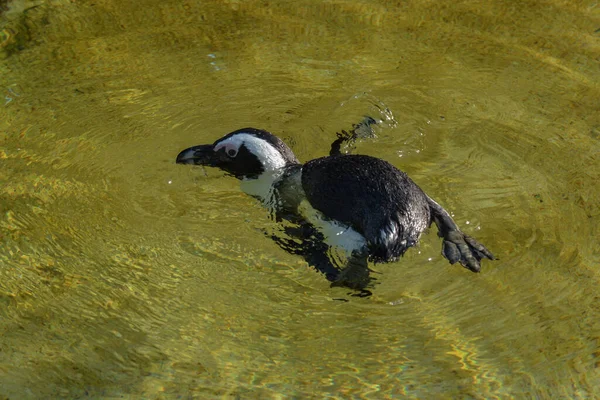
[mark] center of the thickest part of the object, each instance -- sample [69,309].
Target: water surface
[123,274]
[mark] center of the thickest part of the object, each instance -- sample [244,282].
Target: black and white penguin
[360,204]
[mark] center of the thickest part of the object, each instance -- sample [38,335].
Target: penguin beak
[199,155]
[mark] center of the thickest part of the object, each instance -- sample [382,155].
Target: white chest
[261,187]
[337,235]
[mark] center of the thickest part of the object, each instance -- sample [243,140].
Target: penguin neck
[263,187]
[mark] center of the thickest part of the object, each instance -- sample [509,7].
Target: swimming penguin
[358,203]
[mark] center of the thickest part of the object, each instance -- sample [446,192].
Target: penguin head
[245,153]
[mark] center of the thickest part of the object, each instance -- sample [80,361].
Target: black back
[370,195]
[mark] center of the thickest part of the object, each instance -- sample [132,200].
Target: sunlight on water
[124,274]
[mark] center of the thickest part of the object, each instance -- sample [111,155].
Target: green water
[123,275]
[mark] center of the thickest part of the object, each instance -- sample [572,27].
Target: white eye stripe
[268,155]
[231,148]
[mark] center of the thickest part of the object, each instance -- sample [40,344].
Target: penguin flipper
[356,273]
[361,130]
[301,238]
[342,137]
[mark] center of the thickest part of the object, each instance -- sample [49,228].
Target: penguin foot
[462,248]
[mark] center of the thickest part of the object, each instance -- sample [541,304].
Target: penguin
[360,206]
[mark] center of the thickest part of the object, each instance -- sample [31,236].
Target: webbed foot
[462,248]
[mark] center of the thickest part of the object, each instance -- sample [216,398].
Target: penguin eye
[232,152]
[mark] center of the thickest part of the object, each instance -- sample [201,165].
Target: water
[123,274]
